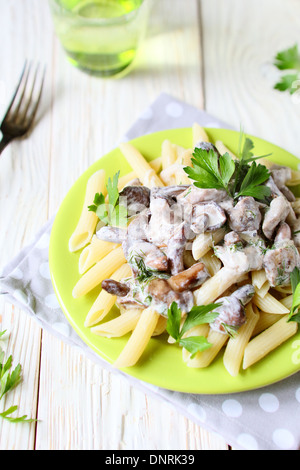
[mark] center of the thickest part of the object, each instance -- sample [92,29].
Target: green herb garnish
[114,213]
[242,177]
[288,59]
[295,282]
[197,316]
[8,381]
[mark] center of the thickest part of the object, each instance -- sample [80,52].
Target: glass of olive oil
[100,37]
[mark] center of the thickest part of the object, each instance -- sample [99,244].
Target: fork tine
[17,90]
[29,97]
[34,110]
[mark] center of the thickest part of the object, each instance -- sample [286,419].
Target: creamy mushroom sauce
[164,223]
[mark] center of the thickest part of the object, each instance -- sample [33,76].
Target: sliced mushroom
[194,195]
[231,314]
[175,249]
[120,289]
[163,296]
[240,257]
[137,229]
[281,175]
[137,198]
[279,210]
[282,258]
[150,255]
[111,234]
[169,193]
[190,278]
[244,294]
[216,216]
[245,215]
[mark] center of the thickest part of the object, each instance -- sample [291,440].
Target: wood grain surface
[213,54]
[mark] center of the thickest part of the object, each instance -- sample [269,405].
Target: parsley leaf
[256,175]
[9,380]
[114,213]
[197,316]
[295,282]
[288,59]
[236,177]
[208,171]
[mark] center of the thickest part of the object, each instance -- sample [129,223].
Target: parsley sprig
[114,213]
[242,177]
[289,60]
[9,380]
[295,282]
[197,316]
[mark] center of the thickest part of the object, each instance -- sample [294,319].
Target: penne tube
[205,358]
[139,339]
[268,340]
[288,301]
[140,165]
[105,301]
[94,252]
[295,179]
[234,351]
[199,134]
[265,320]
[258,278]
[205,241]
[262,292]
[119,326]
[221,147]
[216,286]
[88,220]
[212,263]
[161,326]
[168,154]
[269,304]
[100,271]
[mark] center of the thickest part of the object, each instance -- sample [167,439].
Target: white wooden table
[214,54]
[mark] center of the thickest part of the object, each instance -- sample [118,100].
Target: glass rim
[100,21]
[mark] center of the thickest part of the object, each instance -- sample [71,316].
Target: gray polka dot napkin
[264,419]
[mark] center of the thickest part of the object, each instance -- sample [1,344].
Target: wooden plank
[23,203]
[240,41]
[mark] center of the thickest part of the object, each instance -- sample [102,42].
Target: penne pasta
[221,147]
[119,326]
[86,225]
[168,154]
[205,241]
[139,339]
[234,351]
[100,271]
[269,340]
[258,278]
[262,292]
[199,134]
[212,263]
[270,304]
[94,252]
[265,320]
[105,301]
[205,358]
[216,286]
[140,165]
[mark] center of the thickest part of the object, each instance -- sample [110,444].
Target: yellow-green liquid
[99,36]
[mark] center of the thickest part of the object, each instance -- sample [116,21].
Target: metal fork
[22,109]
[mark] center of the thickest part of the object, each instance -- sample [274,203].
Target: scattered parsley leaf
[197,316]
[295,282]
[9,380]
[288,59]
[287,82]
[113,213]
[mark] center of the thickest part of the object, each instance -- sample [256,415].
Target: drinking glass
[100,37]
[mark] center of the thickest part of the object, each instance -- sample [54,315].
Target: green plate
[161,364]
